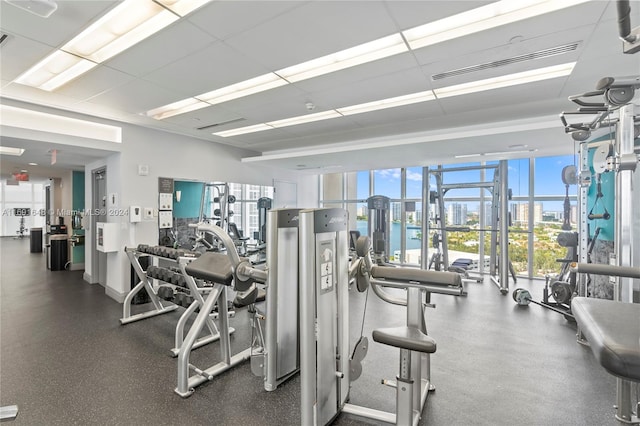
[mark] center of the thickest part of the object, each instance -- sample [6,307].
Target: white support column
[624,215]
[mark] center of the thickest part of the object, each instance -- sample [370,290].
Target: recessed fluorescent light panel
[412,98]
[361,54]
[242,130]
[443,92]
[481,19]
[308,118]
[7,150]
[465,23]
[506,80]
[467,155]
[176,108]
[242,89]
[127,24]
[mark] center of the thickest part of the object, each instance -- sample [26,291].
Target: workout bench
[613,332]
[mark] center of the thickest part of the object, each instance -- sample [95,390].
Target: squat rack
[499,190]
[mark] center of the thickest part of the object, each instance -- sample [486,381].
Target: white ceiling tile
[312,30]
[207,117]
[507,96]
[357,91]
[282,102]
[69,19]
[557,24]
[412,13]
[222,19]
[172,44]
[18,54]
[354,75]
[136,97]
[400,114]
[96,81]
[211,68]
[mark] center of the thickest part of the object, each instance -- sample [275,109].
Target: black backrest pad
[211,266]
[417,275]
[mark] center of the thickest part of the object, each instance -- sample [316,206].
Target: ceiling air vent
[220,124]
[3,38]
[545,53]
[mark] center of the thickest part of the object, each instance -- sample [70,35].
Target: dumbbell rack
[157,280]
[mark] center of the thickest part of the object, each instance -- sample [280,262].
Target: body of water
[412,234]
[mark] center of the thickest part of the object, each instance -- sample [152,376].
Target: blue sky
[548,180]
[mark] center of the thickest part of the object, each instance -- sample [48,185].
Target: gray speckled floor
[65,359]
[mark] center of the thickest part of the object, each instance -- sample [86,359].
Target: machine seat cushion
[463,261]
[613,331]
[405,338]
[417,275]
[212,266]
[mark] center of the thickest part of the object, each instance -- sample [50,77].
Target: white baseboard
[88,278]
[76,266]
[115,295]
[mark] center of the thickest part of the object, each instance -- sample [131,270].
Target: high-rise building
[520,213]
[396,211]
[456,214]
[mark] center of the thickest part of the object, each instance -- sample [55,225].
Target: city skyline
[548,181]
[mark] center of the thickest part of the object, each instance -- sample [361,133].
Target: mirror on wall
[235,207]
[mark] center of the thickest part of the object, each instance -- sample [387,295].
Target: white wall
[167,155]
[178,157]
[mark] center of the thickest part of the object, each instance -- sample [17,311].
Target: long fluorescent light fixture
[361,54]
[388,103]
[506,80]
[499,153]
[8,150]
[459,89]
[243,130]
[480,19]
[238,90]
[357,55]
[127,24]
[465,23]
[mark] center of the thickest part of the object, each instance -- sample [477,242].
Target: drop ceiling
[225,42]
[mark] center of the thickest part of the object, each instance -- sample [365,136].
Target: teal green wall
[77,203]
[190,198]
[77,182]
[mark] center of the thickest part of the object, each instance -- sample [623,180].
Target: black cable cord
[364,313]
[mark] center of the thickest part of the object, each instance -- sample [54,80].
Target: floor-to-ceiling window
[244,209]
[536,204]
[555,212]
[22,203]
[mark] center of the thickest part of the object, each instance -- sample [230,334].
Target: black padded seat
[613,331]
[212,266]
[417,275]
[405,338]
[462,263]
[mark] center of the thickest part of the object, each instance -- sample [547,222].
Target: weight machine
[616,109]
[326,366]
[499,264]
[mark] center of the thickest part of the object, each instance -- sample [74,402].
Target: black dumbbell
[142,248]
[151,271]
[179,299]
[165,293]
